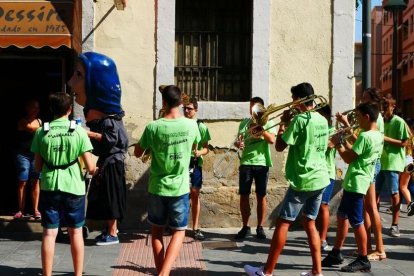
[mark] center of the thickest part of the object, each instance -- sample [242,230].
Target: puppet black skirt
[107,193]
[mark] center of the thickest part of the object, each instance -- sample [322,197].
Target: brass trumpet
[346,132]
[260,116]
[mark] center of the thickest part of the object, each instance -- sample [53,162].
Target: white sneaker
[254,271]
[325,246]
[309,273]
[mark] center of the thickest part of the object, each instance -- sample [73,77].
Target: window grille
[213,48]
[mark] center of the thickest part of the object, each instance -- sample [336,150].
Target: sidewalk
[218,254]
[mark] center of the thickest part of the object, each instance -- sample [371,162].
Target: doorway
[25,75]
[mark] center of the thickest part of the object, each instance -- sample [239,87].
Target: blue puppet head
[103,89]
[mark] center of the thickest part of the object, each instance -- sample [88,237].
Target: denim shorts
[326,196]
[377,169]
[196,177]
[25,165]
[389,180]
[248,173]
[294,201]
[59,208]
[351,208]
[168,210]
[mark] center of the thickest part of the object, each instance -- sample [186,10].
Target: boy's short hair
[303,90]
[193,101]
[171,94]
[376,96]
[257,100]
[369,109]
[60,103]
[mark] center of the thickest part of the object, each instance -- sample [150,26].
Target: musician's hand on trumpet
[335,139]
[144,154]
[342,119]
[286,117]
[239,143]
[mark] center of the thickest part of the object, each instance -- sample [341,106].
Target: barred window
[213,49]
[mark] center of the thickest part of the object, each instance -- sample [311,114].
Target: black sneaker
[260,233]
[410,209]
[332,259]
[198,235]
[357,265]
[243,232]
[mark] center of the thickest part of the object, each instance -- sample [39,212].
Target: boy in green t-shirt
[170,140]
[196,173]
[57,147]
[254,165]
[362,157]
[306,171]
[396,136]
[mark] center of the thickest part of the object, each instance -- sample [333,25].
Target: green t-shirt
[60,146]
[205,137]
[330,157]
[393,157]
[256,151]
[307,137]
[360,173]
[170,142]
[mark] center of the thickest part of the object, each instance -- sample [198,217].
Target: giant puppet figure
[95,84]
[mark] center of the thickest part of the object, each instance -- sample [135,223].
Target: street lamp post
[394,6]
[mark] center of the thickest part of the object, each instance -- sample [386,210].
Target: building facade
[405,56]
[223,53]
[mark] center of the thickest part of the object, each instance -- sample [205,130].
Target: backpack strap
[60,167]
[46,126]
[72,125]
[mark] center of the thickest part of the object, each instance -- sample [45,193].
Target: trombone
[350,116]
[260,116]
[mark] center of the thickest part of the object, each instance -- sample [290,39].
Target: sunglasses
[188,108]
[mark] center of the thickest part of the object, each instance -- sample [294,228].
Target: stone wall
[219,197]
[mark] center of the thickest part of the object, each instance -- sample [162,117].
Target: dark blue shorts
[196,177]
[57,206]
[25,165]
[326,196]
[295,201]
[168,210]
[351,208]
[248,173]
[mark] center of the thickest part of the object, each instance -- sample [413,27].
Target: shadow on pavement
[180,271]
[29,271]
[21,237]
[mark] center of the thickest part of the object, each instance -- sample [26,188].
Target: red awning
[36,23]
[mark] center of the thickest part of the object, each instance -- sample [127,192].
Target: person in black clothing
[96,86]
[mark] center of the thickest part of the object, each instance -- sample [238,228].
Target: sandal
[377,256]
[37,215]
[18,215]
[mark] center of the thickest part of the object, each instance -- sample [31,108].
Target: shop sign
[38,17]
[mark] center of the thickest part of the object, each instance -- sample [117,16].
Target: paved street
[219,254]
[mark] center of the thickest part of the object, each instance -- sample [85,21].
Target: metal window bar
[213,62]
